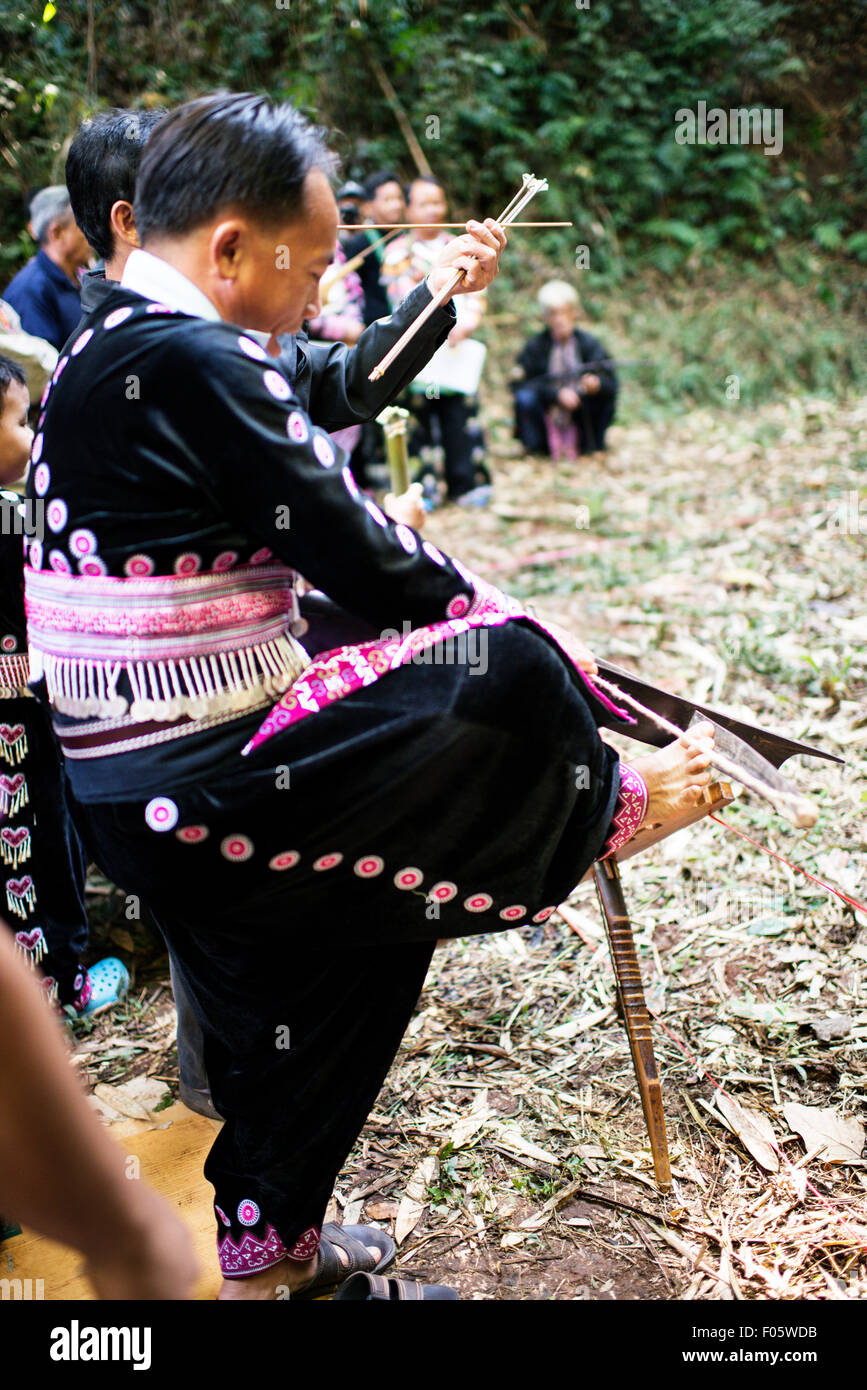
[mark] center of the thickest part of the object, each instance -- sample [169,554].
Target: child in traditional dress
[42,864]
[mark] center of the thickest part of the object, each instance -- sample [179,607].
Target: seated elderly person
[46,292]
[566,392]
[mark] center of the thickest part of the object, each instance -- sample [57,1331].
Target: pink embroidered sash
[194,645]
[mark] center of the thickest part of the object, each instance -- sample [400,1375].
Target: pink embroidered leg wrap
[252,1255]
[630,811]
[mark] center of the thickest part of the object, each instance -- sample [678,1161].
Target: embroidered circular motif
[444,891]
[82,342]
[351,484]
[457,606]
[286,860]
[248,1213]
[369,866]
[510,914]
[236,848]
[225,560]
[159,309]
[58,562]
[82,542]
[277,385]
[41,478]
[377,515]
[117,316]
[35,555]
[296,427]
[45,394]
[138,566]
[56,515]
[479,902]
[9,643]
[78,982]
[58,370]
[252,349]
[432,553]
[36,450]
[545,914]
[188,563]
[222,1215]
[260,556]
[407,538]
[161,813]
[328,861]
[92,565]
[192,834]
[323,450]
[408,878]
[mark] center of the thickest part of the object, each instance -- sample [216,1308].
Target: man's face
[73,250]
[275,285]
[561,321]
[427,204]
[16,436]
[387,204]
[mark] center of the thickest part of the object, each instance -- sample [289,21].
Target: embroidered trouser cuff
[630,811]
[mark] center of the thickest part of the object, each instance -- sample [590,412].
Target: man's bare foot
[676,774]
[272,1283]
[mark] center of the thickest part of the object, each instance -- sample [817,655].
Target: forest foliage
[584,92]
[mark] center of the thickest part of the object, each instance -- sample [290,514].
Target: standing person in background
[42,864]
[350,203]
[560,408]
[384,204]
[408,261]
[46,292]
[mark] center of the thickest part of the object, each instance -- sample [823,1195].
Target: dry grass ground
[722,556]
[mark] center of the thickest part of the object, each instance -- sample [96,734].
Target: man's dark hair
[375,181]
[9,372]
[423,178]
[101,169]
[224,150]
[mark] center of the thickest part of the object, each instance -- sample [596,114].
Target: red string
[853,902]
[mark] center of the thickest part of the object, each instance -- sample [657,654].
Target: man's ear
[122,222]
[226,247]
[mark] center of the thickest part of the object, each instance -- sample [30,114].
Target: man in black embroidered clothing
[281,845]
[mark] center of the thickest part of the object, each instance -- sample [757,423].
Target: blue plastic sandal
[109,982]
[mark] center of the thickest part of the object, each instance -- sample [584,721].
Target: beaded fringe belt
[189,647]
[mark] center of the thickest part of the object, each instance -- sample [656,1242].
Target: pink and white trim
[629,812]
[249,1255]
[334,674]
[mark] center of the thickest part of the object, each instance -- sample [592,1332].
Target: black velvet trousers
[303,889]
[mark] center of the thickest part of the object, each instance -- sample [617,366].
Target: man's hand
[569,399]
[408,507]
[477,252]
[590,384]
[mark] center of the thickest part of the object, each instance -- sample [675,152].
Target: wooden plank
[171,1160]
